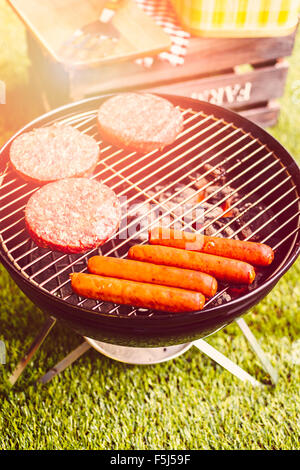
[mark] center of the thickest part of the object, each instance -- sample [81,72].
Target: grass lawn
[188,403]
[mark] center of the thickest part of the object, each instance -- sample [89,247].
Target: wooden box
[246,75]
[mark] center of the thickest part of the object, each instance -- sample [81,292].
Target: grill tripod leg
[202,345]
[222,360]
[66,362]
[258,350]
[37,342]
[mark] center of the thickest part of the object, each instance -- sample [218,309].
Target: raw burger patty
[52,153]
[72,215]
[139,121]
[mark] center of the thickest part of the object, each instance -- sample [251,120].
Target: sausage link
[254,253]
[154,274]
[138,294]
[224,269]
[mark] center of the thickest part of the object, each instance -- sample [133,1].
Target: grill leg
[202,345]
[40,338]
[218,357]
[258,350]
[66,362]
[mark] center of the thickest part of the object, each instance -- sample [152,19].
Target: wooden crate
[214,70]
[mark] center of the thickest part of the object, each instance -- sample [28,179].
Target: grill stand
[147,356]
[36,344]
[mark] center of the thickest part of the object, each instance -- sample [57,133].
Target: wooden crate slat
[232,89]
[218,54]
[264,115]
[204,56]
[210,67]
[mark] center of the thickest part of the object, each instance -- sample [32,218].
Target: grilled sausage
[154,274]
[224,269]
[138,294]
[253,253]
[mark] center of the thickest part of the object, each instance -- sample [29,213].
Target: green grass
[188,403]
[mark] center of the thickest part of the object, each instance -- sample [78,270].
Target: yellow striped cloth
[237,15]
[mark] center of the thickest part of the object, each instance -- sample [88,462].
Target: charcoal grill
[256,167]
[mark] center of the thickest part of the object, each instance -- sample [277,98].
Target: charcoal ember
[217,229]
[210,231]
[244,231]
[192,208]
[175,209]
[236,212]
[180,195]
[189,195]
[237,291]
[215,173]
[223,190]
[246,234]
[234,200]
[198,183]
[211,212]
[197,180]
[240,208]
[249,222]
[259,276]
[215,193]
[159,193]
[222,299]
[143,215]
[183,208]
[226,232]
[224,198]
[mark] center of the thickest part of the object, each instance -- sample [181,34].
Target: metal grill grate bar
[182,166]
[131,170]
[13,191]
[150,198]
[238,190]
[20,209]
[275,247]
[225,289]
[241,213]
[247,238]
[144,157]
[147,155]
[18,199]
[107,158]
[111,155]
[289,235]
[172,150]
[246,224]
[136,220]
[130,238]
[274,217]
